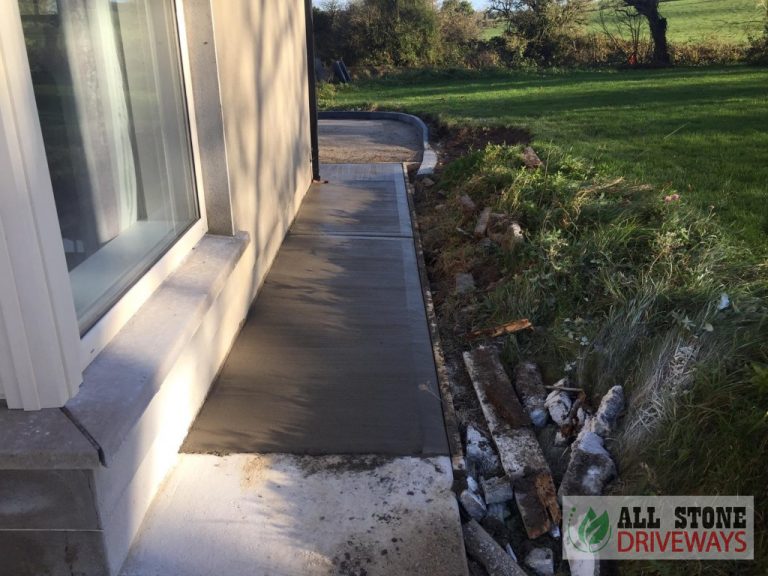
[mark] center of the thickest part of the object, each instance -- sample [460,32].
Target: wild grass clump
[625,284]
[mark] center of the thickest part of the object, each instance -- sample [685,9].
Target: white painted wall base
[125,490]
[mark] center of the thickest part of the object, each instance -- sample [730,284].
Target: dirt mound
[455,141]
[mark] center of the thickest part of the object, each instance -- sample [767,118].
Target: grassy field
[701,133]
[696,20]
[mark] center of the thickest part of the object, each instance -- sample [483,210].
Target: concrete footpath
[321,449]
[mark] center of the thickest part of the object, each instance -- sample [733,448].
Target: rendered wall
[262,59]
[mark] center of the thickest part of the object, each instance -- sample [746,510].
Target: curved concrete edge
[429,157]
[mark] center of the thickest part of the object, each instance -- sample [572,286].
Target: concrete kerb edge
[453,432]
[429,156]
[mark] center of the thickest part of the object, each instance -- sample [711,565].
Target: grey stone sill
[44,439]
[122,380]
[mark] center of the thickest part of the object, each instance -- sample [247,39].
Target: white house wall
[262,60]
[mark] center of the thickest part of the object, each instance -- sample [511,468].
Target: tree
[459,30]
[624,28]
[504,10]
[657,25]
[545,26]
[399,32]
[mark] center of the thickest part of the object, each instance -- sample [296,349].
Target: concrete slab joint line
[429,159]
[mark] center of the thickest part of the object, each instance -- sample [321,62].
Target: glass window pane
[109,92]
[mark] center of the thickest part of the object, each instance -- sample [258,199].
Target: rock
[607,415]
[581,417]
[487,552]
[589,567]
[513,236]
[472,485]
[511,552]
[497,529]
[589,469]
[530,388]
[467,204]
[531,159]
[465,283]
[541,561]
[473,504]
[428,182]
[560,440]
[497,490]
[499,511]
[482,223]
[481,457]
[475,569]
[558,404]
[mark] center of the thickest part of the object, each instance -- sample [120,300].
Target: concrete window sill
[120,383]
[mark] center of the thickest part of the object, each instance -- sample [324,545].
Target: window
[109,93]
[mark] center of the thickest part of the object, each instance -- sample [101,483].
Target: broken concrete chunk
[465,283]
[541,561]
[519,450]
[475,569]
[467,204]
[473,504]
[487,552]
[482,223]
[588,567]
[481,457]
[500,511]
[590,467]
[512,237]
[497,490]
[608,413]
[559,404]
[531,159]
[530,388]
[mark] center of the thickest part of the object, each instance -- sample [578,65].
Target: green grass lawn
[700,20]
[702,133]
[695,20]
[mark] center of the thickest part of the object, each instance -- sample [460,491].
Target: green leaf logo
[594,529]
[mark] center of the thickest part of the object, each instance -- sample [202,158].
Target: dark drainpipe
[312,89]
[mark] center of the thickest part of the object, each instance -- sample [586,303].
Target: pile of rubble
[510,502]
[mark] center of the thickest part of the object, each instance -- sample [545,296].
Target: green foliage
[403,33]
[543,27]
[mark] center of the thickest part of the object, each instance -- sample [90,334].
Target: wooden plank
[520,452]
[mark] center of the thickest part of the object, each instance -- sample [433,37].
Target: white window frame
[42,355]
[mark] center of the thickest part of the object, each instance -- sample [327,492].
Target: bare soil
[368,141]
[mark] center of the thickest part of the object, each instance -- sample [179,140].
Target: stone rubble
[607,415]
[465,283]
[530,388]
[489,495]
[473,504]
[481,457]
[541,561]
[558,404]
